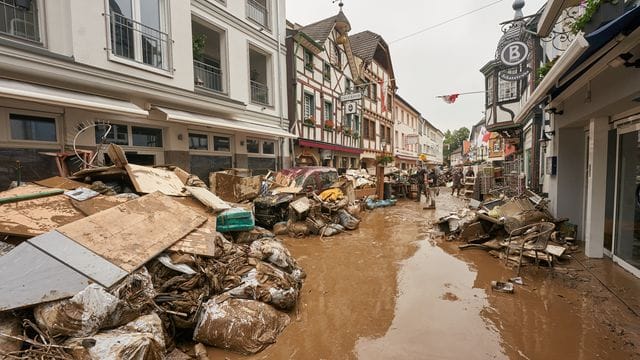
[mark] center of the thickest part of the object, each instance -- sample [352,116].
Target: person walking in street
[433,182]
[457,181]
[421,179]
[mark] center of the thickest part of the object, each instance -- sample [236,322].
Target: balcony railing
[18,21]
[259,93]
[138,42]
[258,13]
[207,76]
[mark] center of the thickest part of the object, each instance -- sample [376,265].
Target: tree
[453,140]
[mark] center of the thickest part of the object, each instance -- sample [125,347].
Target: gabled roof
[320,30]
[365,44]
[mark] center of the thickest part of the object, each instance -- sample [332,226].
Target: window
[328,111]
[338,55]
[365,129]
[147,137]
[258,11]
[326,71]
[309,107]
[222,143]
[19,18]
[382,130]
[253,146]
[198,142]
[118,134]
[374,92]
[388,135]
[259,76]
[347,84]
[33,128]
[507,90]
[268,147]
[490,90]
[308,59]
[137,31]
[348,121]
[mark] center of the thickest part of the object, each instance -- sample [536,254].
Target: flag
[450,99]
[383,96]
[486,136]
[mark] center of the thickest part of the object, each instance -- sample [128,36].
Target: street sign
[351,97]
[350,107]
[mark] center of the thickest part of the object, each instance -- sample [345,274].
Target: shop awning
[59,97]
[407,158]
[327,146]
[220,123]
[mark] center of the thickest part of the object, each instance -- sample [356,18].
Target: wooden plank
[38,216]
[208,198]
[58,182]
[131,234]
[98,203]
[30,277]
[200,241]
[117,155]
[147,180]
[79,258]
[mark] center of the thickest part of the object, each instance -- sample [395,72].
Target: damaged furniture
[532,237]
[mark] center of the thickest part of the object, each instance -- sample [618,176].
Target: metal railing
[18,21]
[259,93]
[135,41]
[207,76]
[258,13]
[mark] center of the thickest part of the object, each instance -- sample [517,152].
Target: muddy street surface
[395,289]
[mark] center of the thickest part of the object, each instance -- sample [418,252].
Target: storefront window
[253,146]
[221,143]
[147,137]
[119,134]
[33,128]
[268,147]
[627,237]
[198,142]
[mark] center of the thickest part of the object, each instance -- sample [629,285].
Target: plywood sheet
[58,182]
[30,277]
[131,234]
[200,241]
[98,203]
[30,218]
[148,180]
[207,198]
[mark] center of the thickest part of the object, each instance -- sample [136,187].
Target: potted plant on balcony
[597,12]
[384,159]
[199,42]
[309,121]
[347,131]
[328,125]
[356,135]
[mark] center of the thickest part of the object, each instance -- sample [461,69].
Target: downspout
[279,72]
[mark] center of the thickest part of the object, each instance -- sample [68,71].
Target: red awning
[334,147]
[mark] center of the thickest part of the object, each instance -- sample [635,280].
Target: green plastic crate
[235,219]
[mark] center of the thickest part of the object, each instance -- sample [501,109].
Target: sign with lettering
[514,53]
[351,97]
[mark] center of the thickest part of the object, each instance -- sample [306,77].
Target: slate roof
[364,44]
[319,31]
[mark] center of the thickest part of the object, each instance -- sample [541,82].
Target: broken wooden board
[33,217]
[131,234]
[301,205]
[117,155]
[98,172]
[222,185]
[200,241]
[147,180]
[58,182]
[208,198]
[98,203]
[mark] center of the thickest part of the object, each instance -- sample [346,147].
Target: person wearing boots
[421,179]
[457,182]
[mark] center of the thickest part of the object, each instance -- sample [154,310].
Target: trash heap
[518,230]
[133,262]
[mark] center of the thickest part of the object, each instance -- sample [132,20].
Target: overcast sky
[441,61]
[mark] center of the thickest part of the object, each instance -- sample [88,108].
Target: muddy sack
[243,326]
[9,325]
[280,228]
[82,315]
[270,285]
[347,220]
[141,339]
[136,293]
[332,229]
[273,251]
[247,237]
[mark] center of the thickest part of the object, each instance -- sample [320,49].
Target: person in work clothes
[421,179]
[457,182]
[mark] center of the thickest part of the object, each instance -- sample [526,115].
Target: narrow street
[394,289]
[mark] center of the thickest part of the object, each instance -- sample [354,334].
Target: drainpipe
[279,74]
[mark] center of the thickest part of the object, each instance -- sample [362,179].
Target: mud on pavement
[395,289]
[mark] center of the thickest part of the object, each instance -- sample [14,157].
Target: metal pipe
[30,196]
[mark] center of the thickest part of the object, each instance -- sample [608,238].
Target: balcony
[207,76]
[258,12]
[259,93]
[19,21]
[135,41]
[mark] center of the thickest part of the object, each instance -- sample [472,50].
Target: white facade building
[406,134]
[131,63]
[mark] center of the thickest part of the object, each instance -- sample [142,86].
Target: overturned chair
[533,237]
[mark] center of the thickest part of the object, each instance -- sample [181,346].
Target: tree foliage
[453,140]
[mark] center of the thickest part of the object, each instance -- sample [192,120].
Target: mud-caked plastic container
[235,219]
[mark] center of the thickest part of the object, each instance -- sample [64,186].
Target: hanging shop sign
[514,53]
[350,107]
[351,97]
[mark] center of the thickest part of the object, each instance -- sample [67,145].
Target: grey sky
[441,61]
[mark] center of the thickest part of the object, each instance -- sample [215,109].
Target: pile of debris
[518,230]
[126,262]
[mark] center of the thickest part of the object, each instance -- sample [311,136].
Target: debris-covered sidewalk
[125,261]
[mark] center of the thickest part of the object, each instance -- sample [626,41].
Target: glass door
[627,224]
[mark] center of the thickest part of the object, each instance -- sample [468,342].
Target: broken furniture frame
[532,239]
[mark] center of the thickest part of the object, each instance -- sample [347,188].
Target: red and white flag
[450,99]
[383,95]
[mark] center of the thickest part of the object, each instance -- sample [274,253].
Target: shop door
[627,218]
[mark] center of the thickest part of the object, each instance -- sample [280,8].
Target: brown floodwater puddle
[393,290]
